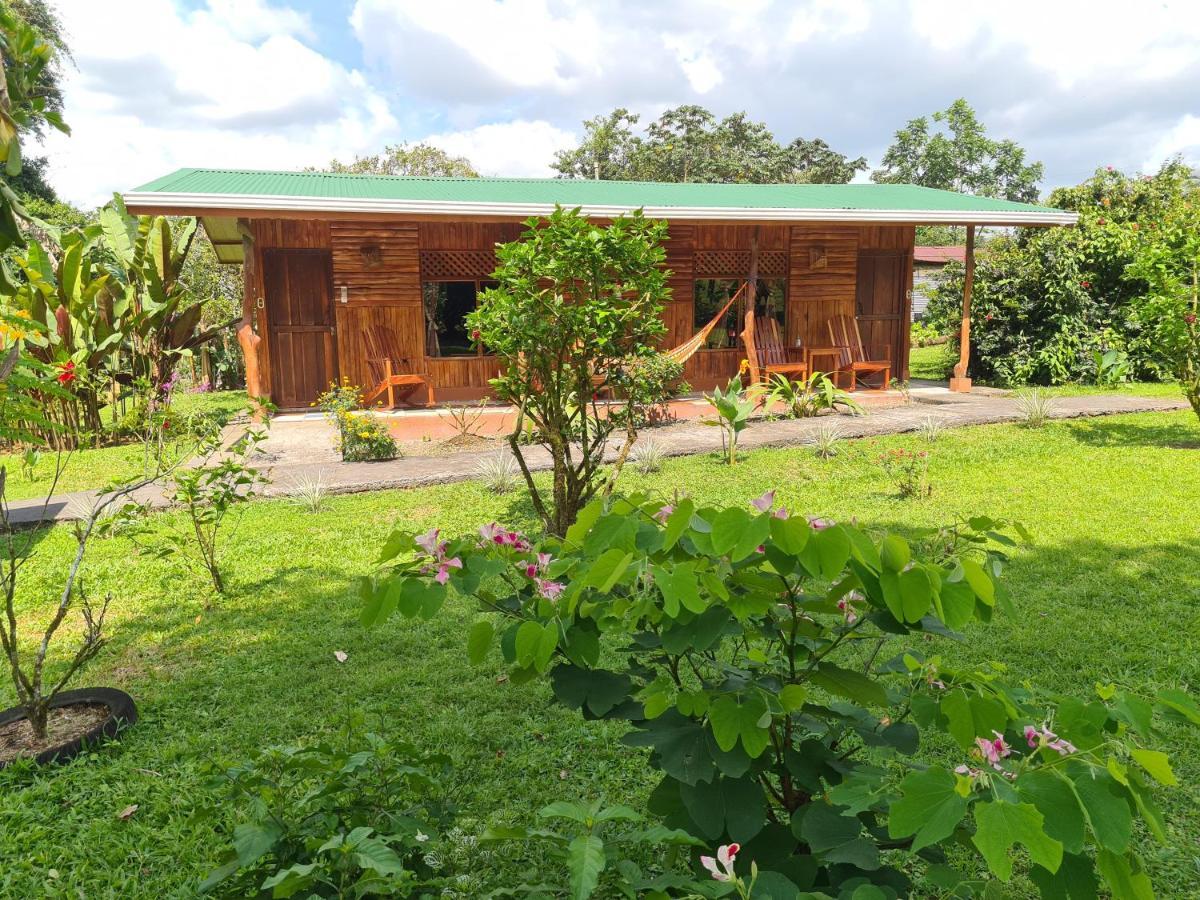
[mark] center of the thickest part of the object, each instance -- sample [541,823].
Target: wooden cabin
[328,256]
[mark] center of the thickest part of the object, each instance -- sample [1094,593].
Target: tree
[1166,256]
[689,144]
[607,150]
[1048,302]
[45,93]
[959,157]
[401,159]
[576,303]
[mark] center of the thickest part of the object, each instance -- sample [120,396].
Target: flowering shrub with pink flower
[781,673]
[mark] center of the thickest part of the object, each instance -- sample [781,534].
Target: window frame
[481,284]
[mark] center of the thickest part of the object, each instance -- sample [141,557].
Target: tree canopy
[952,151]
[689,143]
[403,159]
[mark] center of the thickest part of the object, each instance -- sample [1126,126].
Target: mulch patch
[65,723]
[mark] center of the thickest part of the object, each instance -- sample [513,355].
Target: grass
[90,469]
[931,363]
[1106,592]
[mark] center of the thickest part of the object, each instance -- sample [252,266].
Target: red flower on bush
[66,372]
[1100,221]
[1190,318]
[1085,284]
[475,335]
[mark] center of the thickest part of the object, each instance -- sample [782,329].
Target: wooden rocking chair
[844,333]
[766,354]
[394,374]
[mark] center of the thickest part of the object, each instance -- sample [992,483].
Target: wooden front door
[299,289]
[881,306]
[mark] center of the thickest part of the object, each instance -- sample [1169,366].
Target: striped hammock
[685,351]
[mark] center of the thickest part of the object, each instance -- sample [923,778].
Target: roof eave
[146,201]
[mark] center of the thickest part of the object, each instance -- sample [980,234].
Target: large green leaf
[596,689]
[852,685]
[120,232]
[529,635]
[608,568]
[679,587]
[585,862]
[252,840]
[929,808]
[835,835]
[1056,801]
[733,806]
[1075,880]
[1104,802]
[970,716]
[1000,826]
[1125,876]
[738,716]
[479,639]
[677,522]
[727,529]
[1157,764]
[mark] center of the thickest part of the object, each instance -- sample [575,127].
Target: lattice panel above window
[736,264]
[453,265]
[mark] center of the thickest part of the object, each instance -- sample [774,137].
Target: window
[713,293]
[446,306]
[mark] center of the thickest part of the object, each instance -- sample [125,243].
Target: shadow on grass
[1182,433]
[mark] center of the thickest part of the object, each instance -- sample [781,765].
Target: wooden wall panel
[299,234]
[738,237]
[824,260]
[677,313]
[408,323]
[708,368]
[387,272]
[886,237]
[467,235]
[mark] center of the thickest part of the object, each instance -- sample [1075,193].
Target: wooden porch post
[247,335]
[960,382]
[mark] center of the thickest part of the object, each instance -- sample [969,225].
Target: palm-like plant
[806,397]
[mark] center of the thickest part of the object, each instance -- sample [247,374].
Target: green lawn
[1107,591]
[931,363]
[89,469]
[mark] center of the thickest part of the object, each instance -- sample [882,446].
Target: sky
[158,85]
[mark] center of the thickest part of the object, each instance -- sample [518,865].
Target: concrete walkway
[301,450]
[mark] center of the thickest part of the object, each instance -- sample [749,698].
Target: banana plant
[149,254]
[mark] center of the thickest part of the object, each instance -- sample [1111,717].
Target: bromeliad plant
[783,675]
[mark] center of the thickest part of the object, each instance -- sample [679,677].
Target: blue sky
[289,83]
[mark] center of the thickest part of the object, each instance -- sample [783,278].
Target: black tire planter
[121,712]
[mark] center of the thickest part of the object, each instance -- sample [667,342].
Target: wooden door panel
[879,303]
[299,291]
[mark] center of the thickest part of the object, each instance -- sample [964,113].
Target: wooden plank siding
[380,265]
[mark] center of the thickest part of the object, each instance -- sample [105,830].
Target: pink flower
[993,750]
[761,548]
[847,609]
[491,533]
[530,570]
[665,513]
[550,589]
[781,513]
[765,502]
[443,572]
[543,560]
[1047,738]
[721,868]
[818,524]
[429,542]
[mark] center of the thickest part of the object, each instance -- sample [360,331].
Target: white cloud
[1073,40]
[1182,140]
[702,71]
[160,88]
[519,148]
[829,19]
[250,20]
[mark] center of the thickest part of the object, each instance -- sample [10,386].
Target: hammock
[684,351]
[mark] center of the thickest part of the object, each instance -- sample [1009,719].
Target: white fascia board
[275,203]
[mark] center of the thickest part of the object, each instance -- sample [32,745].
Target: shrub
[499,472]
[365,438]
[648,384]
[752,666]
[1047,300]
[909,470]
[926,335]
[357,816]
[1035,406]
